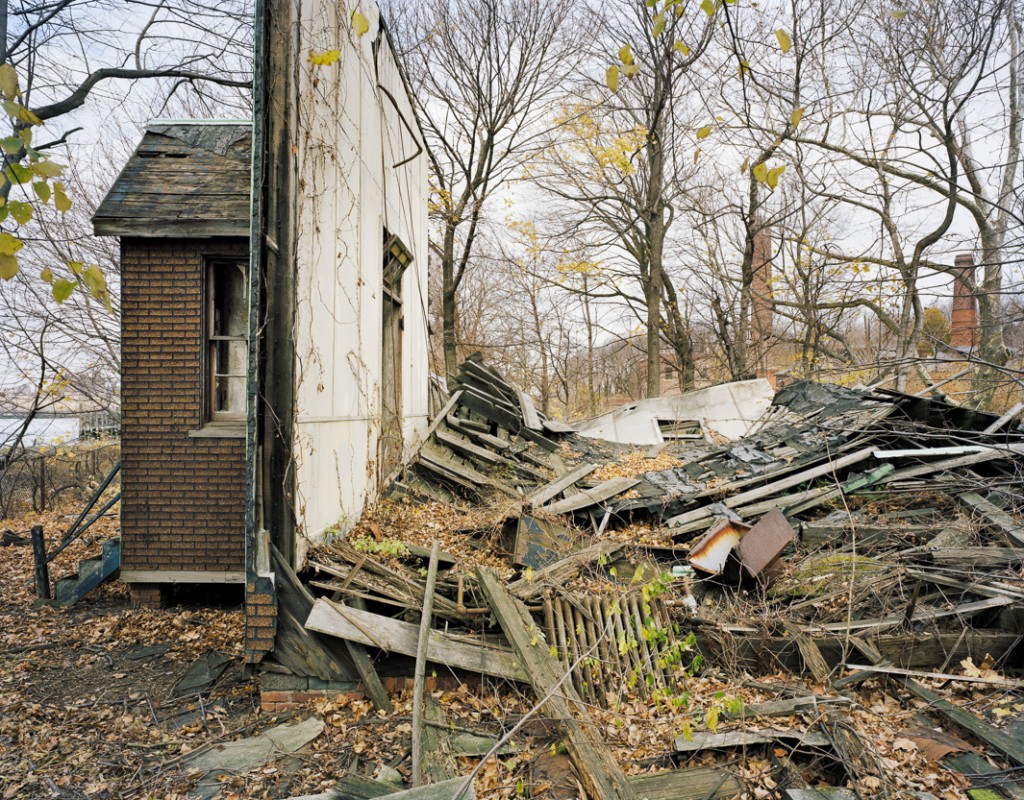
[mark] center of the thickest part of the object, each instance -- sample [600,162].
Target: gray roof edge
[159,122]
[170,229]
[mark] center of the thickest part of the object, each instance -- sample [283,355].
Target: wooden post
[421,667]
[42,569]
[42,483]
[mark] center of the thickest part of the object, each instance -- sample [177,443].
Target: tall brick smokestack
[761,310]
[761,304]
[964,324]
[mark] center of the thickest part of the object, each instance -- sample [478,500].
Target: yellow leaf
[744,67]
[62,289]
[47,169]
[631,70]
[626,54]
[60,199]
[325,58]
[898,14]
[21,113]
[8,266]
[708,7]
[704,133]
[9,82]
[796,116]
[659,25]
[9,244]
[744,165]
[760,172]
[360,24]
[696,155]
[612,78]
[22,212]
[772,178]
[47,275]
[681,48]
[784,41]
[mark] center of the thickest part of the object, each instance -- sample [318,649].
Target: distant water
[42,430]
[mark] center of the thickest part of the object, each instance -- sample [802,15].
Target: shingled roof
[185,179]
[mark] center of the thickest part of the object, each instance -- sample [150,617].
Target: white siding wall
[351,136]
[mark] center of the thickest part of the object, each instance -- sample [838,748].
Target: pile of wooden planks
[850,535]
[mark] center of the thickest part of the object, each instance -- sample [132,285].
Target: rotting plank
[984,776]
[540,496]
[376,630]
[695,783]
[590,497]
[326,659]
[920,615]
[561,571]
[420,674]
[530,416]
[773,488]
[811,704]
[456,787]
[814,661]
[600,773]
[437,761]
[705,740]
[994,517]
[1009,746]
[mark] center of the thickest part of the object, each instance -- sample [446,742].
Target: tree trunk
[449,339]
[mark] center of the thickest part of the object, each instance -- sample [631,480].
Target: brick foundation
[147,595]
[260,619]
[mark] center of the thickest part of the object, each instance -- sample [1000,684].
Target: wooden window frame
[209,414]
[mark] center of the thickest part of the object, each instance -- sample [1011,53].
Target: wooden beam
[540,496]
[920,615]
[600,773]
[420,672]
[1007,417]
[367,672]
[393,635]
[590,497]
[994,517]
[774,488]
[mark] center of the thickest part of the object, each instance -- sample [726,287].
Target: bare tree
[485,74]
[936,86]
[57,56]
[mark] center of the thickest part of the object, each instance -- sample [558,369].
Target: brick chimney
[761,307]
[964,325]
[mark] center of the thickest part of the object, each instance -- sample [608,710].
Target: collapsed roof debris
[726,411]
[848,535]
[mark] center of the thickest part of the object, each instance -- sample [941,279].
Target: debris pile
[848,535]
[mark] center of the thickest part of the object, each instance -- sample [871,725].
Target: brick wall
[183,498]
